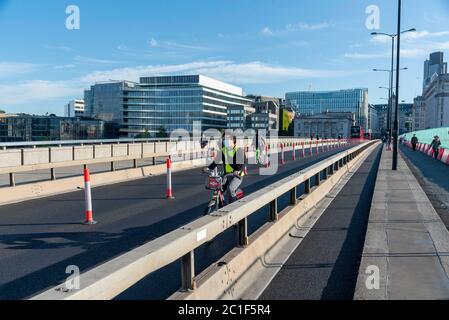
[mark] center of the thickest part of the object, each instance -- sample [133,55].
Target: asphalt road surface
[433,177]
[39,239]
[325,265]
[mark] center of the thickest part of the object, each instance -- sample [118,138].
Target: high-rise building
[74,108]
[431,109]
[165,102]
[237,116]
[419,114]
[105,101]
[433,67]
[266,115]
[405,117]
[436,100]
[352,100]
[373,120]
[25,127]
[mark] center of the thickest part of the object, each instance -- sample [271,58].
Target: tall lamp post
[392,36]
[396,111]
[390,96]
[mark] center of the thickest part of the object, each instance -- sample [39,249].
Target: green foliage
[145,135]
[162,133]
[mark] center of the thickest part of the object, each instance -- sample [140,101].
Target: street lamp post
[392,36]
[390,97]
[396,111]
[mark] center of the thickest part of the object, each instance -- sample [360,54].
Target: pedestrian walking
[436,143]
[414,142]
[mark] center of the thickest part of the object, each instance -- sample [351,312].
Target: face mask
[228,143]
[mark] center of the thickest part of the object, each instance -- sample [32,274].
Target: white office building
[165,102]
[74,108]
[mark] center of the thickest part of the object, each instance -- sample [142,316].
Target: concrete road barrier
[114,277]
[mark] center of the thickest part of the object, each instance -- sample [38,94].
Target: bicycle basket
[213,183]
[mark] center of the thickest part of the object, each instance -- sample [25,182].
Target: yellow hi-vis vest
[229,155]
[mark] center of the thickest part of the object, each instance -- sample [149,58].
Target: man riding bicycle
[233,159]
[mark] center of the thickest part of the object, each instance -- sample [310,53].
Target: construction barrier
[282,154]
[169,179]
[443,154]
[88,198]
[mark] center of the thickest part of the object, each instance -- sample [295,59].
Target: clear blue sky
[265,46]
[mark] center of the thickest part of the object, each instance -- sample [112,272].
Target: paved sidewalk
[406,240]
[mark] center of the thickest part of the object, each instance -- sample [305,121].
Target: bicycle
[216,183]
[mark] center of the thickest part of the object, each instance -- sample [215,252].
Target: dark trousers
[414,146]
[436,152]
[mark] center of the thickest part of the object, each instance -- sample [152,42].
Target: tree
[145,135]
[162,133]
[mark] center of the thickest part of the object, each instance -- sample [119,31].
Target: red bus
[357,133]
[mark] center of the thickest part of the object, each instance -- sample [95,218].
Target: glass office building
[23,127]
[312,103]
[165,102]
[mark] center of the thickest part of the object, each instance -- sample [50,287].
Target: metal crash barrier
[33,156]
[116,276]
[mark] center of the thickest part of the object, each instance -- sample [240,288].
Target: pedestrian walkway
[406,241]
[325,265]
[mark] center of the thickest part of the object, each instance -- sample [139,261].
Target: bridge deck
[40,238]
[325,265]
[406,240]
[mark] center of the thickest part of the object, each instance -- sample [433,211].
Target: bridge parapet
[114,277]
[26,157]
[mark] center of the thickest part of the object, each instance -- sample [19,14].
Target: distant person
[414,142]
[436,144]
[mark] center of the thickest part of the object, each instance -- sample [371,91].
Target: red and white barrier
[440,154]
[88,198]
[169,180]
[267,157]
[430,151]
[445,157]
[282,154]
[303,150]
[443,154]
[294,152]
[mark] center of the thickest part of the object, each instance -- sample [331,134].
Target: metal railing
[114,277]
[59,155]
[35,144]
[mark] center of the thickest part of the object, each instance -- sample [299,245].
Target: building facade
[74,108]
[382,118]
[266,115]
[22,127]
[434,66]
[373,120]
[436,101]
[238,116]
[105,101]
[166,102]
[330,125]
[419,114]
[406,119]
[342,101]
